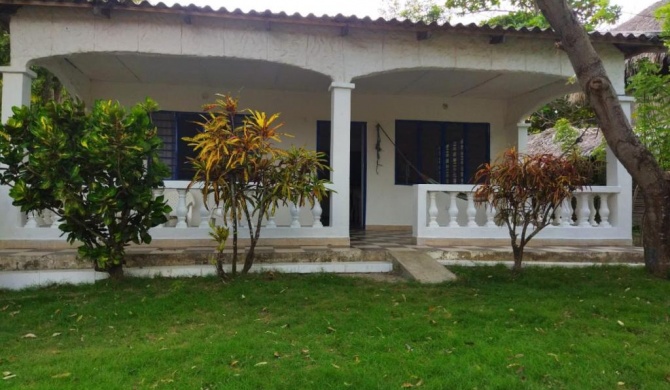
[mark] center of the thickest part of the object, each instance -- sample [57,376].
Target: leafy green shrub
[248,174]
[94,170]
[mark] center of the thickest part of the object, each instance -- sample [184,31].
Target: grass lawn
[600,328]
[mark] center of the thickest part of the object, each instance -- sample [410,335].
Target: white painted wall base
[16,280]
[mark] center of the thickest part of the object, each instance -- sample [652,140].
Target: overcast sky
[354,7]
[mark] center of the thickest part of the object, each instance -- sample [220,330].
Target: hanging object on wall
[378,148]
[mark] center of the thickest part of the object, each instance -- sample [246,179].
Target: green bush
[94,170]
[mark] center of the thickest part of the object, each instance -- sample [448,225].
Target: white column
[522,137]
[16,82]
[340,145]
[621,214]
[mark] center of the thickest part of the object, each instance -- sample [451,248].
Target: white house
[450,97]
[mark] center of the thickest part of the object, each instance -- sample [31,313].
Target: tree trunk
[219,266]
[655,241]
[115,271]
[634,156]
[254,234]
[234,217]
[518,258]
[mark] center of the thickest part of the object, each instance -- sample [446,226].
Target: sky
[359,8]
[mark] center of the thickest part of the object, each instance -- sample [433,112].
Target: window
[439,152]
[172,127]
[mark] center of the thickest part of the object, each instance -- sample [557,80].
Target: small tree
[249,176]
[525,190]
[89,169]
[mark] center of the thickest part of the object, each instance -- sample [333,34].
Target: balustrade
[450,211]
[189,211]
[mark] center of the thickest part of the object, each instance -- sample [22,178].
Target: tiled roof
[337,20]
[643,22]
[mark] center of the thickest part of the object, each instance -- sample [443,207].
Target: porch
[454,88]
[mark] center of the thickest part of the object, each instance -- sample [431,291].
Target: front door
[357,171]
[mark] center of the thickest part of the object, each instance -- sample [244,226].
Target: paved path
[420,267]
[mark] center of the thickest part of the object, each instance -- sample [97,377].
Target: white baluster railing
[604,211]
[316,214]
[295,215]
[432,210]
[181,209]
[449,211]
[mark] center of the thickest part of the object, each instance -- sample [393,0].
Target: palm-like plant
[239,162]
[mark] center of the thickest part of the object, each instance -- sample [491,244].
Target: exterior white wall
[391,204]
[47,32]
[300,112]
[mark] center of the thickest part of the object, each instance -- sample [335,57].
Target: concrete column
[522,138]
[340,145]
[16,83]
[621,215]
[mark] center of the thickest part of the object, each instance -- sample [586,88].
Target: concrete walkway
[420,267]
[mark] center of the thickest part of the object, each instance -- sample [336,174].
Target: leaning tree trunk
[634,156]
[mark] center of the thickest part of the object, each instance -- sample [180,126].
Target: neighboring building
[545,143]
[645,23]
[451,97]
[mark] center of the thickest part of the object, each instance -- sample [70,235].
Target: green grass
[604,328]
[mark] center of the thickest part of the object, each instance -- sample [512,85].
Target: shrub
[94,170]
[525,190]
[249,176]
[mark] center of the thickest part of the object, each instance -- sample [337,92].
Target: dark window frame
[177,149]
[446,175]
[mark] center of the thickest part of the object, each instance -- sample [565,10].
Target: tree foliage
[427,11]
[512,13]
[94,170]
[249,176]
[576,111]
[651,90]
[525,190]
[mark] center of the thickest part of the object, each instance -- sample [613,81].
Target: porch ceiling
[455,83]
[235,73]
[230,73]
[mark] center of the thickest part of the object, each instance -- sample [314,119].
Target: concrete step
[27,260]
[560,254]
[420,267]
